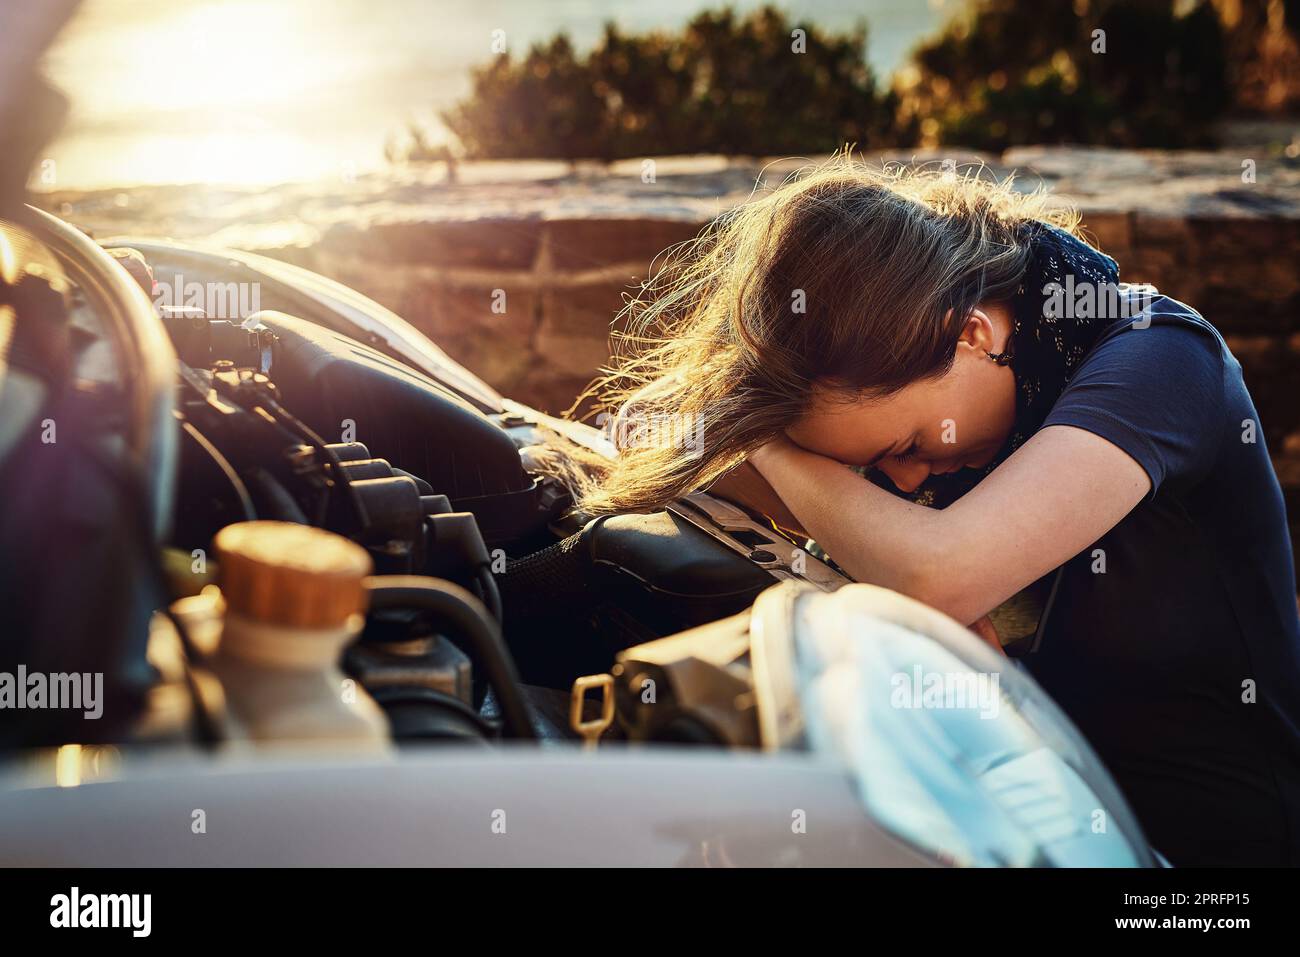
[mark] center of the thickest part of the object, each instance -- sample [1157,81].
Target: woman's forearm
[874,536]
[1058,493]
[746,486]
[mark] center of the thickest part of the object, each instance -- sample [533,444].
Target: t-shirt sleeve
[1157,393]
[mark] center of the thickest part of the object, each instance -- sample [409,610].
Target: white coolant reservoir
[295,598]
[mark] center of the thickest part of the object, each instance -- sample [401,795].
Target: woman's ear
[978,332]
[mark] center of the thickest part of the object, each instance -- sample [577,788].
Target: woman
[957,342]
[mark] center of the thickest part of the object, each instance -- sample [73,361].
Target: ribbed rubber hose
[556,580]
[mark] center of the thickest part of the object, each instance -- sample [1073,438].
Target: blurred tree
[543,106]
[1134,73]
[1108,72]
[1263,42]
[756,84]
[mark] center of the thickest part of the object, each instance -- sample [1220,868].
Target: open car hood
[308,295]
[323,301]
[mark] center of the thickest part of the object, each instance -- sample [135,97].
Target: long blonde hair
[849,276]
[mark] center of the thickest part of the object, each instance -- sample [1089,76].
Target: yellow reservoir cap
[280,573]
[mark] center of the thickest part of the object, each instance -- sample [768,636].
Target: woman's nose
[906,476]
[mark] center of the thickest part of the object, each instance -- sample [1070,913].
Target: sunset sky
[264,91]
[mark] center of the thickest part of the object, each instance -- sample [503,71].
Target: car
[687,686]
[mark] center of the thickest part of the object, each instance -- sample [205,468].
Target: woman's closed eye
[907,454]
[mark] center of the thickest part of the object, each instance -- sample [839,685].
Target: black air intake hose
[549,583]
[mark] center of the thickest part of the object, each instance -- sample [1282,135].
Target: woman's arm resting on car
[1060,492]
[745,486]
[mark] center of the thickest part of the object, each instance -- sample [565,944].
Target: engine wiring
[223,464]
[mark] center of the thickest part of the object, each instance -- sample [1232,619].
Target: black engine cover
[332,382]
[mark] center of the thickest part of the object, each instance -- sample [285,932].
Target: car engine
[430,485]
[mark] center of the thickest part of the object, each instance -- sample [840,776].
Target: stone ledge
[569,243]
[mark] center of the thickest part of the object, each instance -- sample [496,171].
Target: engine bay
[298,531]
[282,419]
[340,417]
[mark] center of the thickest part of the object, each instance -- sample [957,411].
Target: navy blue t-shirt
[1174,640]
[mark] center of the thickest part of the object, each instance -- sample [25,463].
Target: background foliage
[1001,73]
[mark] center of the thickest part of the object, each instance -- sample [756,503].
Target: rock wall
[526,303]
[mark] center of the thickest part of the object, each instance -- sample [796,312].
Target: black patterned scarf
[1046,346]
